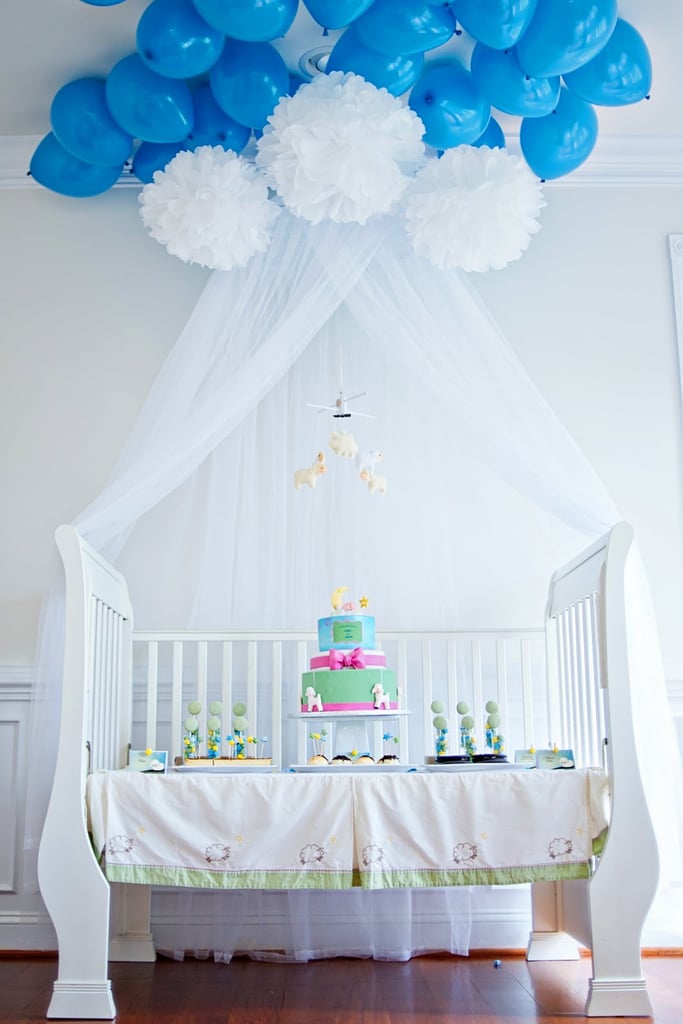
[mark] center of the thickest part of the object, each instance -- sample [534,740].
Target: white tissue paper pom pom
[209,207]
[474,208]
[340,149]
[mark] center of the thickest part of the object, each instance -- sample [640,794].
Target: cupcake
[365,759]
[319,759]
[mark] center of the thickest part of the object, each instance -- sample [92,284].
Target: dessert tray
[226,769]
[347,769]
[470,766]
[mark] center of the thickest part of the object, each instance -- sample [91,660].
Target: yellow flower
[148,752]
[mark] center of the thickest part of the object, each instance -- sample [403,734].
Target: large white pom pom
[340,149]
[209,207]
[474,208]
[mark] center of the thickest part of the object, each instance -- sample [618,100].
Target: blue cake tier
[345,632]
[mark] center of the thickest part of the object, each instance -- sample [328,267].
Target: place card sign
[549,759]
[555,759]
[147,761]
[526,757]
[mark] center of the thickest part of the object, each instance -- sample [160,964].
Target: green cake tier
[348,689]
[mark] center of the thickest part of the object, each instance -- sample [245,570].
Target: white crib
[123,689]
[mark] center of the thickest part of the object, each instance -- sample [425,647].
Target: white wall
[91,305]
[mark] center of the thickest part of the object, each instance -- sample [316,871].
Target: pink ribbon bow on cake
[347,659]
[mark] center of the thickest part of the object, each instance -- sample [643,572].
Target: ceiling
[46,43]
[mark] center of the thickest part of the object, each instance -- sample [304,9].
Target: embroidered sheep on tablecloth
[372,854]
[465,852]
[120,844]
[216,853]
[559,847]
[311,854]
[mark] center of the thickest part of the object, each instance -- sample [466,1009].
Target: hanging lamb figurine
[343,444]
[310,474]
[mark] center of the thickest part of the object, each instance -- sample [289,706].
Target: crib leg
[132,939]
[617,987]
[76,895]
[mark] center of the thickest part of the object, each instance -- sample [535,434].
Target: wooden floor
[425,990]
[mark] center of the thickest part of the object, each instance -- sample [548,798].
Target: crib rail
[576,659]
[263,670]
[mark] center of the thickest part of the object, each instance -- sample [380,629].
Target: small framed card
[147,761]
[526,757]
[555,759]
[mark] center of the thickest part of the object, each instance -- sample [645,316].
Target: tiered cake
[348,673]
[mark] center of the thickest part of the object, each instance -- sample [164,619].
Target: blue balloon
[175,41]
[450,105]
[150,107]
[508,88]
[81,122]
[54,168]
[621,73]
[564,34]
[559,143]
[154,156]
[252,21]
[493,136]
[213,127]
[295,83]
[395,74]
[496,23]
[404,26]
[336,13]
[248,81]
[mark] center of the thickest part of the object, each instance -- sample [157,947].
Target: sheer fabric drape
[486,492]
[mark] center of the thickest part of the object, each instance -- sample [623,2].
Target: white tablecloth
[306,831]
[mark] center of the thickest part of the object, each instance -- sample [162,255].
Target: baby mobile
[344,445]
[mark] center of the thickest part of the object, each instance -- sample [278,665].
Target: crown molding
[616,160]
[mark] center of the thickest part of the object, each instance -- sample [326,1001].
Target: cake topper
[337,599]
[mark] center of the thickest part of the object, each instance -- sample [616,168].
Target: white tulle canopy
[486,492]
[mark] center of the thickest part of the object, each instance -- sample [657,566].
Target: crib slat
[477,683]
[202,684]
[152,695]
[528,717]
[177,710]
[276,703]
[426,658]
[252,680]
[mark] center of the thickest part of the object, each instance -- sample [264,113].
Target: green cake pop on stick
[441,725]
[467,741]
